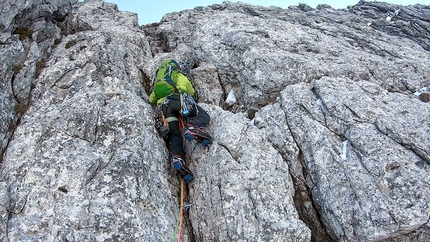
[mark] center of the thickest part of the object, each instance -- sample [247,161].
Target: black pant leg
[175,142]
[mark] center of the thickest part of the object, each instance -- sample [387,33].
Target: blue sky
[151,11]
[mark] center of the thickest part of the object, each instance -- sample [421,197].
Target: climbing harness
[188,105]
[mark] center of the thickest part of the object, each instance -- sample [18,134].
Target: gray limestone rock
[349,156]
[243,189]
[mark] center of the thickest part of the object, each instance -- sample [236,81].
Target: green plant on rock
[57,41]
[24,33]
[17,68]
[39,67]
[70,43]
[21,108]
[425,97]
[63,28]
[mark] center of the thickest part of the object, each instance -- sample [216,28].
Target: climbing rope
[178,230]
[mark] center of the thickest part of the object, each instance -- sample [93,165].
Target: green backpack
[162,82]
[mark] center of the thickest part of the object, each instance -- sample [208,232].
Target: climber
[168,84]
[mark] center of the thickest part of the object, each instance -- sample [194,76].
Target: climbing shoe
[181,168]
[191,132]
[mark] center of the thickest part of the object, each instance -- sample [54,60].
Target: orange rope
[181,212]
[181,123]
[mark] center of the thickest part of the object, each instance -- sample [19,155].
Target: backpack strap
[167,75]
[171,66]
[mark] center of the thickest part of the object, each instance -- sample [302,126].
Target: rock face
[326,138]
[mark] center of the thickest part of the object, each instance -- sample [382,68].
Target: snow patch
[231,98]
[424,89]
[344,150]
[320,103]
